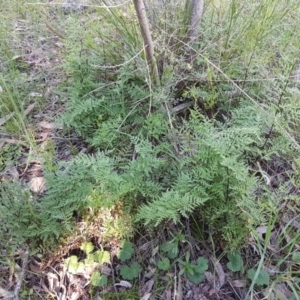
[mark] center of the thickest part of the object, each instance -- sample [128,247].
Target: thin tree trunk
[144,24]
[196,15]
[196,9]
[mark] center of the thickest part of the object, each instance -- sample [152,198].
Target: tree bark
[196,15]
[149,48]
[196,9]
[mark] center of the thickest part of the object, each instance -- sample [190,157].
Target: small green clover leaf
[164,264]
[296,257]
[235,263]
[102,257]
[98,280]
[73,266]
[131,272]
[262,277]
[196,277]
[126,251]
[202,265]
[87,247]
[124,271]
[171,248]
[89,259]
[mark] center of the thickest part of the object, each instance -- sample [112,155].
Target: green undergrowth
[160,163]
[166,165]
[207,144]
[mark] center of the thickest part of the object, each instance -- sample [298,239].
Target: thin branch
[144,25]
[21,274]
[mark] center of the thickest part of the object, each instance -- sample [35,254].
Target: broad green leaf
[102,257]
[189,269]
[296,257]
[131,272]
[183,263]
[171,248]
[89,259]
[181,272]
[126,251]
[163,264]
[87,247]
[187,256]
[72,264]
[235,263]
[98,280]
[135,268]
[125,272]
[80,268]
[262,278]
[166,246]
[202,265]
[196,277]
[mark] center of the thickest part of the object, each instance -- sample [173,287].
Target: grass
[56,64]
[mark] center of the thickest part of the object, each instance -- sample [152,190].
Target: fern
[19,217]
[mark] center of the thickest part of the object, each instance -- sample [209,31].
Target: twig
[181,107]
[54,30]
[21,274]
[114,282]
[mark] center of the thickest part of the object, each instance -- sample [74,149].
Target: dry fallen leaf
[220,273]
[238,283]
[6,294]
[144,247]
[38,185]
[146,288]
[168,294]
[179,292]
[146,297]
[261,229]
[14,173]
[124,283]
[29,109]
[35,94]
[279,292]
[150,273]
[155,250]
[17,57]
[35,268]
[44,136]
[210,277]
[47,125]
[13,141]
